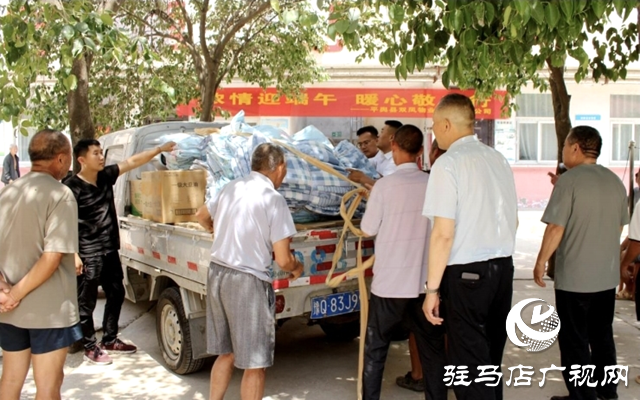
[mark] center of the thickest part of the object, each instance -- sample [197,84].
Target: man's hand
[355,175]
[538,274]
[364,193]
[297,272]
[554,177]
[167,147]
[7,302]
[431,309]
[626,273]
[79,265]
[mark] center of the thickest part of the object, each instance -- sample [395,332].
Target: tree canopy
[113,63]
[488,45]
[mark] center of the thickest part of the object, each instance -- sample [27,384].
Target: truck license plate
[334,304]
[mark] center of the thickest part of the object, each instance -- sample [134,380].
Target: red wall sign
[335,102]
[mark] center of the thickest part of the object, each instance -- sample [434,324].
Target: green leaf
[402,71]
[77,47]
[458,20]
[619,6]
[445,79]
[82,27]
[24,131]
[70,82]
[332,32]
[480,13]
[290,16]
[106,19]
[410,60]
[469,38]
[396,13]
[342,26]
[537,11]
[68,32]
[490,12]
[567,8]
[353,26]
[598,7]
[507,16]
[90,44]
[552,15]
[275,4]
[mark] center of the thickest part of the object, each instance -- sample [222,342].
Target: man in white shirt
[251,222]
[393,213]
[471,200]
[368,144]
[384,159]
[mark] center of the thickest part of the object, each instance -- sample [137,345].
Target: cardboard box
[172,196]
[137,199]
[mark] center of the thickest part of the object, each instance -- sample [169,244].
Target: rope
[347,215]
[358,271]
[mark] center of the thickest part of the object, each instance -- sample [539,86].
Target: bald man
[38,240]
[471,200]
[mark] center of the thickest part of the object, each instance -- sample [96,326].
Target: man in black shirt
[98,262]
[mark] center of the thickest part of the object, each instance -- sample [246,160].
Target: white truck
[168,264]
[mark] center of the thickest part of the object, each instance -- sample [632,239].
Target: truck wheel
[174,336]
[340,331]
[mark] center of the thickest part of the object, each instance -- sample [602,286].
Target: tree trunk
[208,96]
[561,101]
[80,121]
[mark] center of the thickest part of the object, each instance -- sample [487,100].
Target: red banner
[335,102]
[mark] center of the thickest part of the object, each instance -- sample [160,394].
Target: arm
[6,170]
[285,259]
[361,178]
[632,251]
[144,157]
[204,218]
[41,271]
[439,251]
[550,242]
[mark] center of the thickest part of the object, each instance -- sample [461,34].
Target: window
[625,125]
[537,141]
[535,127]
[622,134]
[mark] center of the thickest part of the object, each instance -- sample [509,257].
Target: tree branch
[239,50]
[217,55]
[203,30]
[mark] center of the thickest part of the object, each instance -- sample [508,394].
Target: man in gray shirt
[38,239]
[584,217]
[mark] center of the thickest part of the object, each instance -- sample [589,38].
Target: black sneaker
[407,382]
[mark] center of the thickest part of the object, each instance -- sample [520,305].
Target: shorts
[40,341]
[240,317]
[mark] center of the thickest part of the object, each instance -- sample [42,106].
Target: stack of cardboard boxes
[168,196]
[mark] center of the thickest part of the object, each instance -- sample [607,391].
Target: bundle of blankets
[311,193]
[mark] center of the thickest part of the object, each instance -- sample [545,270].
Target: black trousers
[385,314]
[106,271]
[475,315]
[586,338]
[637,298]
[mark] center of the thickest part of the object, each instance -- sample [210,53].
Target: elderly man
[11,166]
[39,310]
[471,199]
[394,214]
[251,224]
[585,216]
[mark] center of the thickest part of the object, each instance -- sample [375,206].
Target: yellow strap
[358,271]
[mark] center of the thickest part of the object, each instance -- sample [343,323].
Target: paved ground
[308,367]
